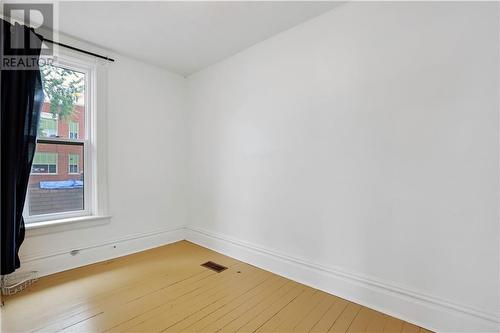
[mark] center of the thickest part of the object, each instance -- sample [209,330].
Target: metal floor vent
[213,266]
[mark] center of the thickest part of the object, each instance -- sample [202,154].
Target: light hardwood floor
[166,290]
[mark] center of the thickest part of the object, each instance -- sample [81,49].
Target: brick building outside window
[57,173]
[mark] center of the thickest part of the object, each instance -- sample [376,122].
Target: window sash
[88,190]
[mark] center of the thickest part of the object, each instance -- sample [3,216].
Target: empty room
[250,166]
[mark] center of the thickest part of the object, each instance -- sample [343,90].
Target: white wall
[364,142]
[146,162]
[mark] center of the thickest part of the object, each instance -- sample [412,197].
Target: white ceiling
[183,37]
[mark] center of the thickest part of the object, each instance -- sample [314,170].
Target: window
[44,163]
[56,192]
[73,130]
[47,126]
[74,163]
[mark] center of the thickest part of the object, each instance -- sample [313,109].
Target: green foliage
[62,87]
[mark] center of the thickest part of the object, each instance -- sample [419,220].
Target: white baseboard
[50,263]
[426,311]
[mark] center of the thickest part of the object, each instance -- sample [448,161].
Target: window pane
[63,112]
[53,186]
[73,127]
[47,126]
[40,168]
[73,158]
[73,130]
[74,161]
[44,162]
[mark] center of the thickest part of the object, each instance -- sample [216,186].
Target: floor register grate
[214,266]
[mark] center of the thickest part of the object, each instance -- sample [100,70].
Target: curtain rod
[79,50]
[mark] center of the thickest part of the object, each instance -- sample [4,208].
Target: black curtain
[21,102]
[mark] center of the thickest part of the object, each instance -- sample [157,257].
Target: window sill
[40,228]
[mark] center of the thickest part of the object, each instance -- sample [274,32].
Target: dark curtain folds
[21,101]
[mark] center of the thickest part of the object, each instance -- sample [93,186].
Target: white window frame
[90,204]
[77,130]
[48,173]
[77,165]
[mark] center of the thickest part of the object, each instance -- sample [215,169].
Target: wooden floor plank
[258,307]
[343,322]
[126,296]
[173,314]
[377,323]
[261,319]
[326,321]
[146,307]
[423,330]
[299,312]
[166,290]
[393,325]
[313,317]
[224,306]
[410,328]
[361,321]
[231,311]
[287,312]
